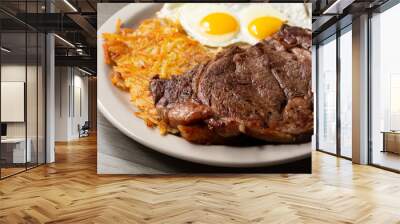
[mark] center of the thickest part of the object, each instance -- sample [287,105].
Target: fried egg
[223,24]
[213,25]
[259,22]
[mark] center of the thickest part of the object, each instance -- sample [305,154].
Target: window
[385,89]
[346,92]
[326,91]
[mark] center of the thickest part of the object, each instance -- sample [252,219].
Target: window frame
[337,35]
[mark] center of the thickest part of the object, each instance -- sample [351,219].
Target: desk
[17,151]
[391,141]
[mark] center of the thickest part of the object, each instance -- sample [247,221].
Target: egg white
[295,13]
[189,16]
[248,14]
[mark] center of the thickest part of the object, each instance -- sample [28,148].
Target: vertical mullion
[316,97]
[26,86]
[37,89]
[369,100]
[46,4]
[338,73]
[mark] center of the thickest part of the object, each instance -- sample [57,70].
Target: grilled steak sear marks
[263,91]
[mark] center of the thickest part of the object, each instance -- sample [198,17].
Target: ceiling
[73,20]
[332,15]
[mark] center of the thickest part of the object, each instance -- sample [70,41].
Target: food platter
[115,105]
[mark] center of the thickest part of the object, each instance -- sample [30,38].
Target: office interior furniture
[13,150]
[84,129]
[391,141]
[3,130]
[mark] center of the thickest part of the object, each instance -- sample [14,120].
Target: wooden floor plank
[70,191]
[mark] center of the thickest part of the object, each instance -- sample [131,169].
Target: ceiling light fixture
[5,50]
[70,5]
[64,40]
[84,71]
[337,7]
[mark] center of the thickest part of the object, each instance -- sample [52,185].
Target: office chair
[84,130]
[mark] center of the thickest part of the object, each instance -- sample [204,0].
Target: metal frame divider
[37,91]
[338,119]
[316,125]
[44,70]
[338,73]
[369,78]
[26,86]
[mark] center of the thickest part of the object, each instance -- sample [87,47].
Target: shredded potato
[156,47]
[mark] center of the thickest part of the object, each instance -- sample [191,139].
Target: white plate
[115,106]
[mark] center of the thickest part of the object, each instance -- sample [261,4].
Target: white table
[18,149]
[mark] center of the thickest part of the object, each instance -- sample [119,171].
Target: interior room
[23,100]
[385,123]
[334,100]
[55,141]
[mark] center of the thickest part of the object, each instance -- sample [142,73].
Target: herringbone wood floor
[69,191]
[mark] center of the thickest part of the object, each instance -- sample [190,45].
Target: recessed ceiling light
[84,71]
[337,7]
[70,5]
[5,50]
[64,40]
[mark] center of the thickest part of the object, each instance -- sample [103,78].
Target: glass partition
[385,90]
[14,153]
[32,96]
[23,89]
[327,95]
[346,93]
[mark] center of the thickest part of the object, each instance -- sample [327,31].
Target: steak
[262,91]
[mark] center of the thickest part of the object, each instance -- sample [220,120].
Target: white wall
[16,72]
[62,81]
[12,101]
[80,110]
[71,93]
[33,127]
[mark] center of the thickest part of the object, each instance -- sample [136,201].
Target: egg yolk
[219,23]
[263,27]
